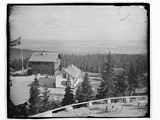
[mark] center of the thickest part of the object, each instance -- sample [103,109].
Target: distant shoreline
[78,53]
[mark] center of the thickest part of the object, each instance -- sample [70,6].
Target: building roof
[142,90]
[73,71]
[118,70]
[44,57]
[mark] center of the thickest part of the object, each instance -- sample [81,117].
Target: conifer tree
[106,88]
[34,97]
[84,92]
[120,84]
[45,102]
[68,96]
[143,80]
[132,80]
[79,94]
[101,90]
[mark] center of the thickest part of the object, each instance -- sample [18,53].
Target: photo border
[146,6]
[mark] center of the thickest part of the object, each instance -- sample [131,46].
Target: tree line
[94,62]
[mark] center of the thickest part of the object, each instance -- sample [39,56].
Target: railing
[125,99]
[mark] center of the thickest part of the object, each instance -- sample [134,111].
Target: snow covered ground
[129,110]
[19,91]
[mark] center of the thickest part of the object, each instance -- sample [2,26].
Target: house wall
[42,67]
[59,79]
[45,67]
[57,64]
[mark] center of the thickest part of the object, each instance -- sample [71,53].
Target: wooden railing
[125,99]
[107,100]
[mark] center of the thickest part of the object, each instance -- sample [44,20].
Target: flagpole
[99,70]
[22,56]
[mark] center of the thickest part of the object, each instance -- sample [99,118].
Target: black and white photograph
[78,60]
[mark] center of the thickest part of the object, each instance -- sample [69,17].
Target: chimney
[44,52]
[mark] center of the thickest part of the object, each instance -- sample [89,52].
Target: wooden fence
[125,99]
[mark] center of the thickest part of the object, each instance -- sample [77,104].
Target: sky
[80,29]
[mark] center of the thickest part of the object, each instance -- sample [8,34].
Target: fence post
[109,101]
[90,104]
[127,100]
[68,108]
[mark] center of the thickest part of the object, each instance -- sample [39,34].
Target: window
[64,75]
[64,83]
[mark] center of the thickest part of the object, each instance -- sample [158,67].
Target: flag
[15,42]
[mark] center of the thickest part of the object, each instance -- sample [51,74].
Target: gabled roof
[73,71]
[141,90]
[40,57]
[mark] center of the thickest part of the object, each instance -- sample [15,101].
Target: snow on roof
[141,90]
[44,57]
[73,71]
[118,70]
